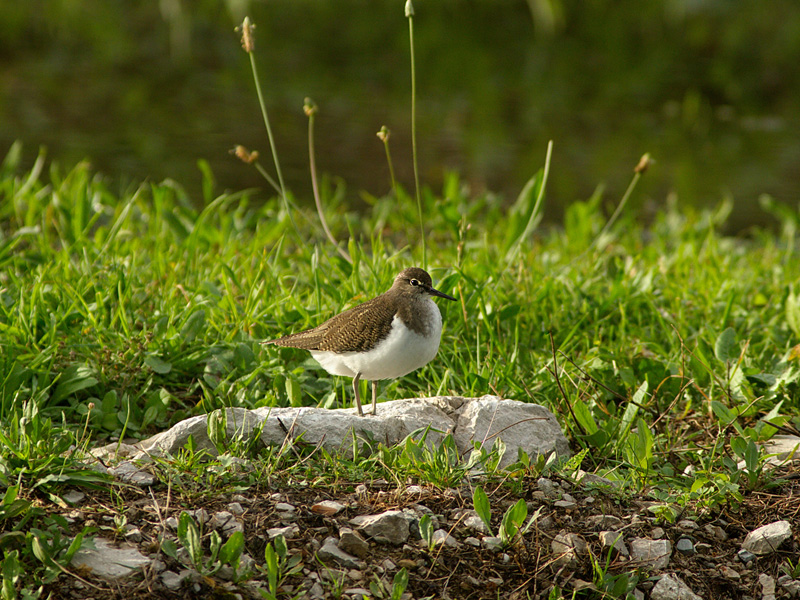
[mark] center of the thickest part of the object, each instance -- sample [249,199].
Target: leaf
[158,365]
[72,380]
[793,312]
[399,584]
[232,549]
[193,325]
[189,535]
[481,503]
[725,415]
[725,348]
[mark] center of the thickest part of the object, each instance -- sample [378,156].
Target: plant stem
[311,109]
[410,15]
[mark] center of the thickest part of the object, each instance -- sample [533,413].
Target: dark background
[144,89]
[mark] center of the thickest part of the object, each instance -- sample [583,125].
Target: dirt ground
[527,569]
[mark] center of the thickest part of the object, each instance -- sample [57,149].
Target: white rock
[108,561]
[330,551]
[327,508]
[785,447]
[566,548]
[441,537]
[651,553]
[614,539]
[390,527]
[520,425]
[289,532]
[605,522]
[768,538]
[767,586]
[671,587]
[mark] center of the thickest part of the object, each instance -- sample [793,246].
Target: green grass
[659,347]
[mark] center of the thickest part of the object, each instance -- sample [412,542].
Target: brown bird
[384,338]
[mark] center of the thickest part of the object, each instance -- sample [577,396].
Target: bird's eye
[414,282]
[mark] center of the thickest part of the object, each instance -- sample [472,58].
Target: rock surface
[108,561]
[672,587]
[767,539]
[520,425]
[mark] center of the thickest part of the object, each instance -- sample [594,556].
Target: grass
[668,350]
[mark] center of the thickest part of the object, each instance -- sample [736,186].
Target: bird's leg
[358,395]
[374,396]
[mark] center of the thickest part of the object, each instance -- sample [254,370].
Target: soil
[526,569]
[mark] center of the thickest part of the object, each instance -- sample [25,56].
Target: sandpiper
[384,338]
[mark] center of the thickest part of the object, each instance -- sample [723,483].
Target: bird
[384,338]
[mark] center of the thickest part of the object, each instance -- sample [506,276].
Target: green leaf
[72,380]
[399,584]
[232,550]
[158,365]
[481,503]
[726,348]
[189,535]
[193,325]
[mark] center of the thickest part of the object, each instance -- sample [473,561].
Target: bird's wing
[354,330]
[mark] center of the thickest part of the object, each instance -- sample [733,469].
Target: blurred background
[711,88]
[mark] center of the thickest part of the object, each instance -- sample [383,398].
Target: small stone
[134,535]
[546,523]
[792,586]
[440,536]
[652,553]
[390,527]
[171,523]
[407,563]
[565,504]
[685,547]
[671,587]
[475,523]
[547,487]
[316,591]
[688,525]
[330,551]
[497,581]
[472,541]
[358,593]
[614,539]
[351,541]
[200,515]
[284,507]
[585,478]
[768,538]
[657,533]
[566,548]
[717,532]
[173,581]
[73,497]
[327,508]
[127,472]
[225,523]
[388,565]
[767,586]
[604,522]
[745,556]
[729,573]
[240,498]
[494,544]
[108,561]
[235,508]
[289,532]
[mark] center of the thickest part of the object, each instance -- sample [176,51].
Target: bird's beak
[435,292]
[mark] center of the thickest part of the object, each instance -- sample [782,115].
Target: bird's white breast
[401,352]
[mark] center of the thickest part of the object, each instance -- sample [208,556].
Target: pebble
[685,547]
[352,542]
[767,586]
[225,523]
[688,525]
[652,553]
[327,508]
[547,487]
[289,532]
[717,532]
[73,497]
[472,541]
[657,533]
[672,587]
[492,543]
[285,507]
[566,547]
[134,535]
[605,522]
[745,556]
[330,551]
[235,508]
[390,527]
[792,586]
[767,539]
[729,573]
[565,504]
[614,539]
[440,536]
[173,581]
